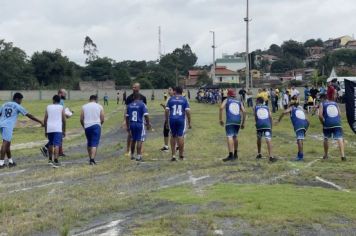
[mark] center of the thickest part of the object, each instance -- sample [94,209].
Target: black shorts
[165,130]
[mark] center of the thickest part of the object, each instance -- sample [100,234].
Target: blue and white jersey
[298,118]
[177,106]
[263,120]
[331,115]
[61,102]
[233,111]
[9,113]
[136,111]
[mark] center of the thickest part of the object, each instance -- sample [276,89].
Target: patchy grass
[59,201]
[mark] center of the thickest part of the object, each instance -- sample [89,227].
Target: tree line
[51,69]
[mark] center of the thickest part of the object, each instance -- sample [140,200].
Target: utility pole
[247,20]
[159,43]
[213,69]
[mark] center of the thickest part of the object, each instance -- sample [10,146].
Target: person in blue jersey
[177,109]
[329,116]
[136,115]
[8,117]
[300,125]
[263,119]
[235,119]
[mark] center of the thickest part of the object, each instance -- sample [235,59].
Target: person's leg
[236,146]
[173,147]
[133,145]
[259,138]
[326,148]
[55,151]
[341,147]
[181,146]
[300,148]
[50,152]
[128,144]
[139,150]
[93,152]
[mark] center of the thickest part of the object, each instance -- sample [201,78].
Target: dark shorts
[232,130]
[177,127]
[55,139]
[335,133]
[93,135]
[138,133]
[266,133]
[165,130]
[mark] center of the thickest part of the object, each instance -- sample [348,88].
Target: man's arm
[284,113]
[147,118]
[243,116]
[189,118]
[222,107]
[63,123]
[34,119]
[45,122]
[82,118]
[102,117]
[127,123]
[321,118]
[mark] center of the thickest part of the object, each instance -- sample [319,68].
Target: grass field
[199,196]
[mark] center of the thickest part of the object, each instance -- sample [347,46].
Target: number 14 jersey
[177,106]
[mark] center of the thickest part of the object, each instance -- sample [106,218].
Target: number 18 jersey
[177,106]
[9,112]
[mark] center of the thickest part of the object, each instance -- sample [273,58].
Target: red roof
[221,70]
[194,72]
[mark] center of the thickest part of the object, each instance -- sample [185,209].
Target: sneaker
[92,162]
[164,149]
[44,151]
[259,156]
[272,159]
[343,158]
[139,159]
[62,155]
[229,158]
[127,154]
[236,157]
[56,162]
[13,164]
[299,159]
[50,161]
[181,158]
[173,159]
[133,158]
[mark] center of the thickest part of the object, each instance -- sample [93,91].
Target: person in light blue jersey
[8,118]
[177,109]
[235,119]
[300,125]
[136,114]
[263,119]
[329,116]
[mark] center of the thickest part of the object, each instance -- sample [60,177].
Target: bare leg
[128,143]
[133,144]
[236,144]
[300,145]
[139,148]
[8,150]
[230,144]
[181,146]
[166,140]
[50,152]
[55,151]
[341,147]
[326,148]
[173,146]
[259,145]
[4,149]
[269,147]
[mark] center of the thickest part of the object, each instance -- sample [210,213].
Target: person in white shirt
[285,100]
[91,119]
[55,126]
[294,93]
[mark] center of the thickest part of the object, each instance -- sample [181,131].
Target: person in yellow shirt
[265,96]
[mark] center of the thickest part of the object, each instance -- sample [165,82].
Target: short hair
[260,100]
[17,96]
[287,91]
[93,97]
[178,90]
[56,99]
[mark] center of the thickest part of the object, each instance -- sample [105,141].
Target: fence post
[68,94]
[40,94]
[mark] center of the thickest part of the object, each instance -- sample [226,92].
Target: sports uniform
[9,113]
[177,106]
[136,112]
[299,121]
[54,124]
[263,122]
[332,121]
[92,123]
[233,117]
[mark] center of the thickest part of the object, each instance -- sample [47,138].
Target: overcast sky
[128,29]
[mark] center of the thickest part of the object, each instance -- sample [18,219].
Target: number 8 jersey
[9,113]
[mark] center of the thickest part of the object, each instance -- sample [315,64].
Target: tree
[144,82]
[204,79]
[294,49]
[100,69]
[160,77]
[313,43]
[53,69]
[90,49]
[15,70]
[121,74]
[286,64]
[342,57]
[275,50]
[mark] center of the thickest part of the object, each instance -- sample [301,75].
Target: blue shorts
[266,133]
[232,130]
[138,132]
[93,135]
[177,127]
[300,134]
[335,133]
[55,139]
[6,133]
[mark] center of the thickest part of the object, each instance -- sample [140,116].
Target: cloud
[128,29]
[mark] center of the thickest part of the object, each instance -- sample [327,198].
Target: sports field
[198,196]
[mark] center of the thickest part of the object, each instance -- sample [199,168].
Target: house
[313,58]
[337,42]
[192,78]
[311,51]
[231,62]
[255,74]
[224,75]
[351,44]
